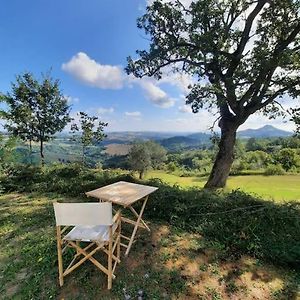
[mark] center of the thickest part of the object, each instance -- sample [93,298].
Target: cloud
[103,110]
[185,109]
[156,95]
[181,81]
[71,100]
[88,71]
[133,114]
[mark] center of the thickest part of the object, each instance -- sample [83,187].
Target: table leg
[137,215]
[136,227]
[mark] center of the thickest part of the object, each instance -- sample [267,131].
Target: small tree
[146,155]
[36,110]
[89,130]
[20,102]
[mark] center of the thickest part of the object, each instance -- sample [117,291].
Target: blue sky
[85,44]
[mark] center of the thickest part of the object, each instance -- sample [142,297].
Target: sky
[85,45]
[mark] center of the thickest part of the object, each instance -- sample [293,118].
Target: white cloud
[185,109]
[71,100]
[156,95]
[87,70]
[103,110]
[90,72]
[133,114]
[180,80]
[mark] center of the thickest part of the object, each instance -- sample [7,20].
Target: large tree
[36,110]
[243,54]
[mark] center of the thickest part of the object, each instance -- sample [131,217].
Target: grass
[279,188]
[167,263]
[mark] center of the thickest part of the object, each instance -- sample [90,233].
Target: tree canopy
[36,110]
[146,155]
[90,131]
[244,57]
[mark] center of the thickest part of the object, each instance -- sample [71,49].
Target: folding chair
[94,224]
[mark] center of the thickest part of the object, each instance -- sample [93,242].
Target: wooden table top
[122,192]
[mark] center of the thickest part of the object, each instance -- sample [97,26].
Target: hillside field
[279,188]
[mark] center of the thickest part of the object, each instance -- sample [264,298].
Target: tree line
[35,110]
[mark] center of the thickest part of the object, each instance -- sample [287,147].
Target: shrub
[274,170]
[71,179]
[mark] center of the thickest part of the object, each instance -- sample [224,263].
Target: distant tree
[253,144]
[296,119]
[257,159]
[88,132]
[288,158]
[7,150]
[36,111]
[244,56]
[146,155]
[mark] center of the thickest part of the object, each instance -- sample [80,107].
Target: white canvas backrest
[83,213]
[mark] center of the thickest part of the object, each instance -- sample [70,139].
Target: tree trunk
[141,174]
[30,151]
[42,152]
[225,156]
[82,158]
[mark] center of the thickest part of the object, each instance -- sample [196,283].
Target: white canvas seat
[97,233]
[94,224]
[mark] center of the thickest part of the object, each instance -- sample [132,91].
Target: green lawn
[279,188]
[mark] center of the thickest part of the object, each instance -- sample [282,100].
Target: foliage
[146,155]
[244,57]
[288,158]
[91,131]
[71,179]
[296,119]
[274,170]
[36,110]
[7,151]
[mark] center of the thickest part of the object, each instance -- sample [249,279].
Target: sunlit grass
[279,188]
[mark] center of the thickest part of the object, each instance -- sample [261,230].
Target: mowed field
[279,188]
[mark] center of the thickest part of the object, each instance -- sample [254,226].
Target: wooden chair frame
[110,247]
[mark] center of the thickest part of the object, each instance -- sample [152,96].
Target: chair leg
[109,276]
[119,241]
[59,255]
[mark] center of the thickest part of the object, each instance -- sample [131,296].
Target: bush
[274,170]
[71,179]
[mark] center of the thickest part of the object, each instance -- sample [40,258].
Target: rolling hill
[264,132]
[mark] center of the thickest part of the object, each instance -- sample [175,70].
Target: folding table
[126,194]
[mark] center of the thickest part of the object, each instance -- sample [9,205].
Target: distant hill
[179,142]
[264,132]
[200,136]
